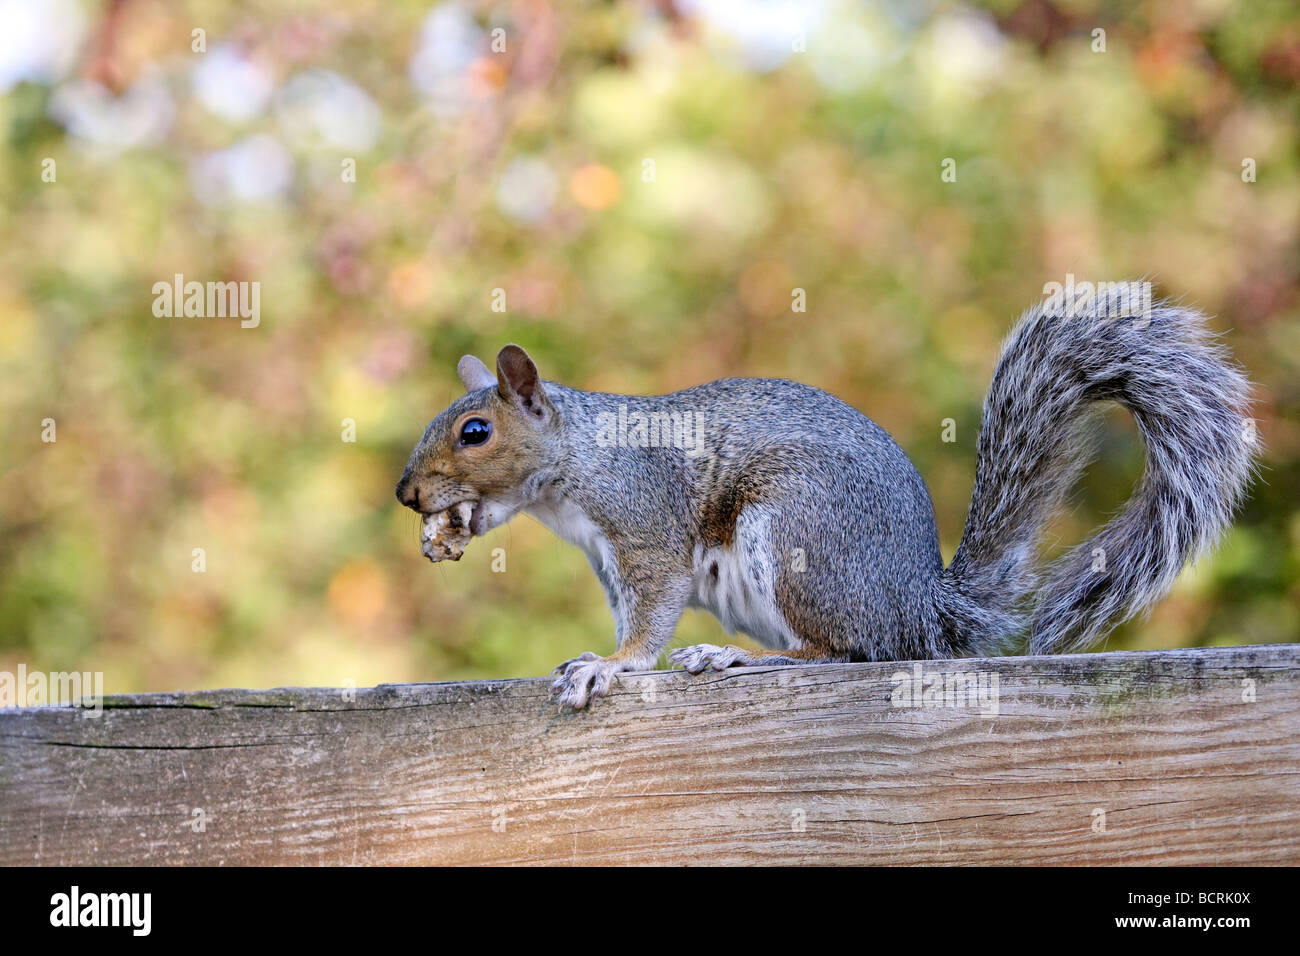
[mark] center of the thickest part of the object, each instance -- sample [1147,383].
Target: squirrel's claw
[584,679]
[585,656]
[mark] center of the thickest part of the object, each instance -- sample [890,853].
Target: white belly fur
[741,597]
[742,594]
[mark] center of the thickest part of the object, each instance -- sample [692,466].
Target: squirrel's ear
[474,374]
[519,383]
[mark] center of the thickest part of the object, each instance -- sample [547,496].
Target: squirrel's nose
[408,493]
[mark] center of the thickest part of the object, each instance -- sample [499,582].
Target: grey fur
[1191,405]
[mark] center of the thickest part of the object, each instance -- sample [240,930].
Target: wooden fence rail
[1171,757]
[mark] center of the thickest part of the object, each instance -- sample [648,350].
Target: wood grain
[761,765]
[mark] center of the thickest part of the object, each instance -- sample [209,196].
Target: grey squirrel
[794,518]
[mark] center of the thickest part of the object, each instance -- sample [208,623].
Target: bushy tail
[1191,405]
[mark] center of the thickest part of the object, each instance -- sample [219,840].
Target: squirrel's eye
[475,432]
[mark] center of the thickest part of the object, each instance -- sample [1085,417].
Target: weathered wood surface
[776,765]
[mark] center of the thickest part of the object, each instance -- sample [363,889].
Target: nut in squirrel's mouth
[456,519]
[447,533]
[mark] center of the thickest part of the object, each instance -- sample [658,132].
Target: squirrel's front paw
[585,678]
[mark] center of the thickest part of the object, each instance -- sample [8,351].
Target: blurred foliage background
[793,145]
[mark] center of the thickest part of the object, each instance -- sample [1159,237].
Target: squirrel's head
[484,448]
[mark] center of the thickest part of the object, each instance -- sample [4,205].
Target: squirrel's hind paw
[700,656]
